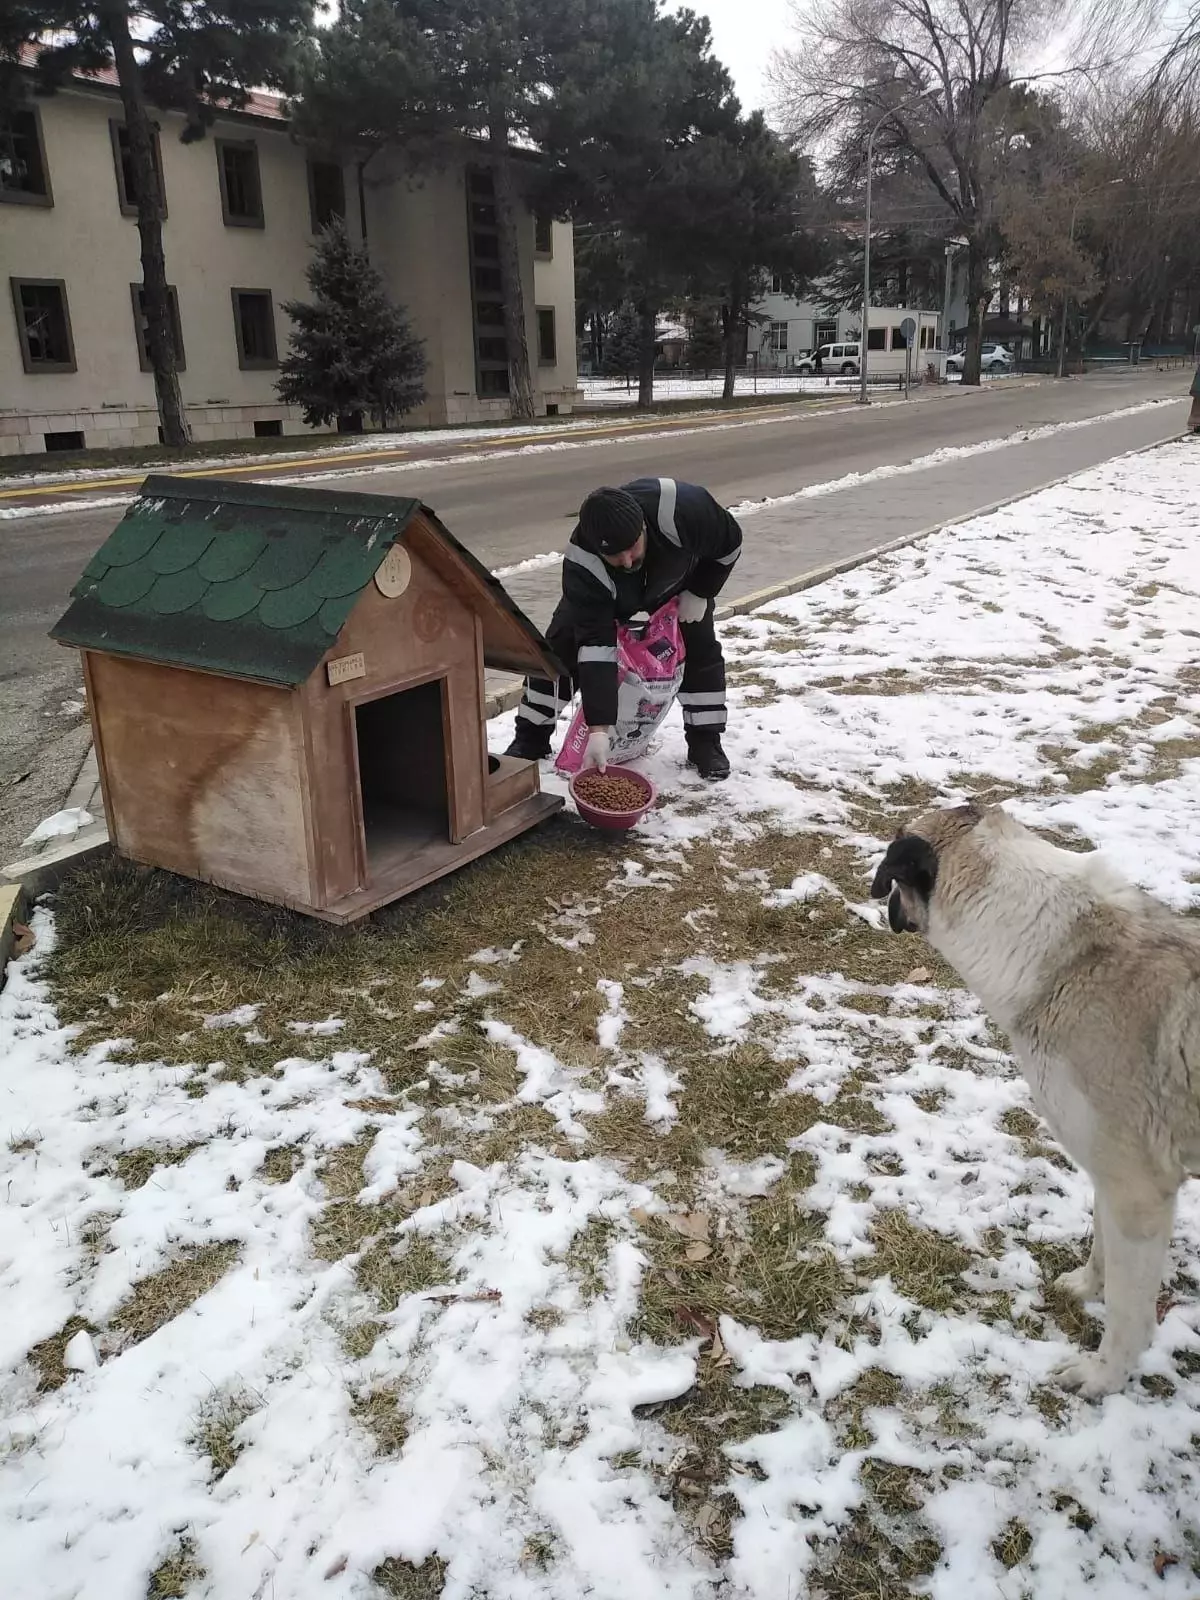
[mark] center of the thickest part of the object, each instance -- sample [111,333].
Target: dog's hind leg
[1087,1282]
[1135,1223]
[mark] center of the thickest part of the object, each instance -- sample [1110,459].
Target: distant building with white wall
[243,210]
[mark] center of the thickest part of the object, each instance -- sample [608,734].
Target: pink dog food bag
[649,672]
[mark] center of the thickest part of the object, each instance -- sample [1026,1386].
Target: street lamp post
[866,299]
[1062,337]
[951,246]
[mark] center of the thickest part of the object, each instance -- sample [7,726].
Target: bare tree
[939,81]
[1145,158]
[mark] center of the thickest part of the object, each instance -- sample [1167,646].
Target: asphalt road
[507,505]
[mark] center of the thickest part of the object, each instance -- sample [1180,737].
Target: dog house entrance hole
[402,772]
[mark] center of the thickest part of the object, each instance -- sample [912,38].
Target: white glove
[692,607]
[598,746]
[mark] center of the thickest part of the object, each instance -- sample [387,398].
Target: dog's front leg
[1087,1282]
[1135,1227]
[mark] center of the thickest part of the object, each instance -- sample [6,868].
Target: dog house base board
[439,857]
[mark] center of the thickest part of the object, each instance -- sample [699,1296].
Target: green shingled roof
[239,578]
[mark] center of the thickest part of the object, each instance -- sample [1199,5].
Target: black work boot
[706,755]
[529,743]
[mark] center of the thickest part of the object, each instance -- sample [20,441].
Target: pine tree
[188,58]
[392,70]
[623,348]
[705,344]
[352,350]
[639,90]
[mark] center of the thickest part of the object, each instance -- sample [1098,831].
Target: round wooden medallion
[394,572]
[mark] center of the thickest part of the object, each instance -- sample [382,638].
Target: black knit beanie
[610,521]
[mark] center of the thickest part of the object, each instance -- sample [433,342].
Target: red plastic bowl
[615,821]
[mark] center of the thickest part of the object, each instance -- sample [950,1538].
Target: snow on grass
[701,1248]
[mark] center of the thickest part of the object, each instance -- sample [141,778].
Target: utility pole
[951,246]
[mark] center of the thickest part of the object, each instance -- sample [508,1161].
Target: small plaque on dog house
[346,667]
[286,688]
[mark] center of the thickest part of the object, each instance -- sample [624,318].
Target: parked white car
[995,358]
[842,358]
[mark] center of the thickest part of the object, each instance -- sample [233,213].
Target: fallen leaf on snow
[338,1567]
[24,939]
[1162,1561]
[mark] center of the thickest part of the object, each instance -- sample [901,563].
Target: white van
[840,358]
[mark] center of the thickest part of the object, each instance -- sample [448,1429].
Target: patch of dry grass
[158,1299]
[136,1167]
[281,1163]
[772,1269]
[1013,1544]
[175,1575]
[924,1266]
[380,1412]
[217,1427]
[46,1357]
[403,1581]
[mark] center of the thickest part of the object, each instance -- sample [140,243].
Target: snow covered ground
[641,1222]
[613,392]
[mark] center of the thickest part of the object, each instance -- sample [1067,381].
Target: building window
[876,338]
[826,333]
[24,175]
[254,325]
[137,295]
[326,193]
[543,235]
[547,343]
[43,324]
[779,332]
[899,342]
[123,165]
[776,284]
[487,286]
[241,191]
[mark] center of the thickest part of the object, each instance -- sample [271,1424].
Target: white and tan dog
[1098,987]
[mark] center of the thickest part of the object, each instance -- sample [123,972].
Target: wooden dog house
[286,688]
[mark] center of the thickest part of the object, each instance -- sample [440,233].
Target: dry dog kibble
[609,793]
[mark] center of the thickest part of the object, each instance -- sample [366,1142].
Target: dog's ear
[911,862]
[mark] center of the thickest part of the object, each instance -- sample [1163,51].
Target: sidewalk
[823,524]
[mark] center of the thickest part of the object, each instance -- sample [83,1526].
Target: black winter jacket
[692,543]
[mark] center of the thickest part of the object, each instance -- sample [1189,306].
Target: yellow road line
[372,458]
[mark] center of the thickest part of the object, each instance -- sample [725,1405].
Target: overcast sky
[744,34]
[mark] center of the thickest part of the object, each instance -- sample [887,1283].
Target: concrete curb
[12,910]
[40,874]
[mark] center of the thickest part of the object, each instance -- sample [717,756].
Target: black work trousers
[701,694]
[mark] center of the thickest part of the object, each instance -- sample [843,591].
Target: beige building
[243,208]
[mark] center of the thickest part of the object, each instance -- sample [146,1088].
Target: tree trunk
[731,316]
[160,333]
[976,310]
[519,380]
[646,315]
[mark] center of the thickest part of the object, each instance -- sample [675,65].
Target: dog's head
[908,874]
